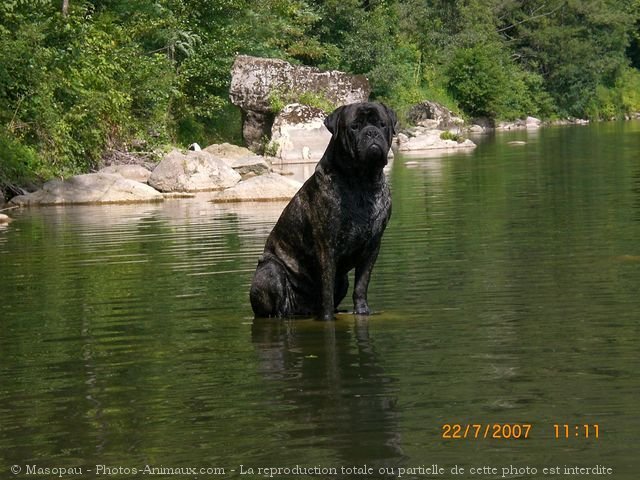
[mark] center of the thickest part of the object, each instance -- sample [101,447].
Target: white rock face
[192,172]
[299,134]
[132,172]
[228,152]
[254,80]
[90,188]
[424,139]
[268,187]
[532,122]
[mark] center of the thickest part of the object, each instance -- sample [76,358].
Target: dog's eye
[354,126]
[383,125]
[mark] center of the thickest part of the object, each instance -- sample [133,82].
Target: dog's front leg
[362,277]
[327,281]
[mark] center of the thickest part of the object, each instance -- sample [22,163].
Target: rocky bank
[240,175]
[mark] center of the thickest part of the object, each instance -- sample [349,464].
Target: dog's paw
[361,309]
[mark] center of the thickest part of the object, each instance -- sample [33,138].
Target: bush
[18,162]
[447,135]
[485,83]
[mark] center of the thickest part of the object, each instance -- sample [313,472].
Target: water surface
[507,291]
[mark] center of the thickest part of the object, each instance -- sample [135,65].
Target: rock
[249,166]
[254,82]
[193,172]
[516,143]
[90,188]
[516,124]
[132,172]
[255,129]
[475,129]
[433,115]
[402,138]
[532,122]
[431,140]
[5,219]
[485,122]
[268,187]
[228,152]
[299,134]
[2,199]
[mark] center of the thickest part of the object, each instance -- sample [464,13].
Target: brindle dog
[333,224]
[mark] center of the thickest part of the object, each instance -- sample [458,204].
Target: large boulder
[90,188]
[255,81]
[250,166]
[299,134]
[241,159]
[132,172]
[532,122]
[228,151]
[268,187]
[433,115]
[192,172]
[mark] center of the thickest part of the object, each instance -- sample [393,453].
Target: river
[507,308]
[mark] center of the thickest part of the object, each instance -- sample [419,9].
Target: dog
[333,224]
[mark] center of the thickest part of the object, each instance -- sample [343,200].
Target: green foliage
[19,163]
[628,84]
[114,71]
[485,84]
[270,148]
[448,135]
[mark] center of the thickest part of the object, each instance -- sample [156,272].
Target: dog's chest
[362,218]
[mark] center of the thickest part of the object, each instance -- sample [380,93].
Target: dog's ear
[331,122]
[393,119]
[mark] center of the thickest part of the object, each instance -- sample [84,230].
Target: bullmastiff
[333,224]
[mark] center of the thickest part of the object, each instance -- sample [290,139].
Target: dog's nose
[372,132]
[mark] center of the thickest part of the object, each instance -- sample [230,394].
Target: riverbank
[230,173]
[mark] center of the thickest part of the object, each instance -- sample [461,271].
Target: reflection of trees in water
[341,396]
[636,191]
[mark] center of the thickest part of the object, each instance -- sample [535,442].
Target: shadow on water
[331,378]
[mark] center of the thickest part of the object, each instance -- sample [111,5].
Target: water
[507,291]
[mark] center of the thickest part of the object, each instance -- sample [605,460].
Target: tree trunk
[65,7]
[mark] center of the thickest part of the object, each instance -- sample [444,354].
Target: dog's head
[362,136]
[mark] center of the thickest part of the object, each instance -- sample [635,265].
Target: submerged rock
[5,219]
[268,187]
[192,172]
[90,188]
